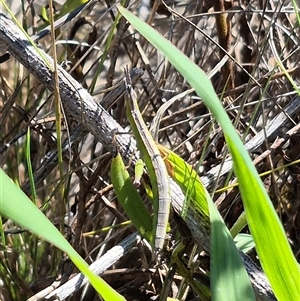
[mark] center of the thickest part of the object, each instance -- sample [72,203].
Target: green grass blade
[71,5]
[130,199]
[29,166]
[272,246]
[187,179]
[244,242]
[227,272]
[14,204]
[226,275]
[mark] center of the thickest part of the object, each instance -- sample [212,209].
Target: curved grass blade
[14,204]
[274,251]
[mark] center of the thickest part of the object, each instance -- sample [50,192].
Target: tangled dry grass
[253,90]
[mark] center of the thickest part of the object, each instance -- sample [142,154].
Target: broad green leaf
[244,242]
[14,204]
[44,14]
[275,254]
[70,5]
[188,180]
[226,275]
[272,246]
[129,198]
[138,171]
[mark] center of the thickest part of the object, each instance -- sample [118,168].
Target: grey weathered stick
[120,88]
[51,159]
[57,24]
[98,267]
[79,103]
[271,130]
[76,100]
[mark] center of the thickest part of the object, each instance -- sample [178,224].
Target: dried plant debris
[247,37]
